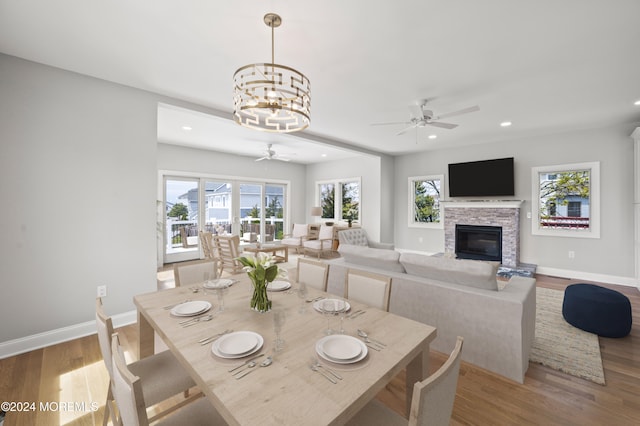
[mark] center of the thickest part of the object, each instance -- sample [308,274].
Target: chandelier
[271,97]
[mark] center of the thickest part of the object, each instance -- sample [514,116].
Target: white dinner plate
[317,305]
[341,349]
[237,345]
[278,286]
[219,283]
[188,309]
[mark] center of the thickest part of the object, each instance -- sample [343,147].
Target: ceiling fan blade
[262,158]
[443,125]
[460,112]
[403,131]
[416,111]
[393,122]
[281,159]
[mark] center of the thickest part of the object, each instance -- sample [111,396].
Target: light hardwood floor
[73,372]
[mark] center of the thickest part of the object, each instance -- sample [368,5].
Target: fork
[212,338]
[313,367]
[317,363]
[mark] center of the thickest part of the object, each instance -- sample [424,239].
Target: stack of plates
[219,283]
[318,304]
[189,309]
[341,349]
[237,345]
[278,286]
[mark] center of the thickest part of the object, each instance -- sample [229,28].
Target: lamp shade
[316,211]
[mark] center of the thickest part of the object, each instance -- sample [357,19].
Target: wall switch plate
[102,291]
[572,254]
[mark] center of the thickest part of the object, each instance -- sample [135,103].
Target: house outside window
[566,200]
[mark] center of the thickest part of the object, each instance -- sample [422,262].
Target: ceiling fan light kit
[271,97]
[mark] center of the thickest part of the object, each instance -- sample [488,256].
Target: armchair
[358,237]
[299,234]
[324,243]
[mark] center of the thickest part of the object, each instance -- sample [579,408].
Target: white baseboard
[588,276]
[48,338]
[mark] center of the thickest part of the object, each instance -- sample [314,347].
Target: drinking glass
[328,308]
[220,293]
[279,318]
[302,294]
[341,309]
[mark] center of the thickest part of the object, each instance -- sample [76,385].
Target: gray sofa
[459,298]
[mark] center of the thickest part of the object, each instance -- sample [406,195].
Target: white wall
[182,159]
[78,185]
[609,258]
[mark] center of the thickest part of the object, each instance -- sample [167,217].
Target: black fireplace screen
[479,242]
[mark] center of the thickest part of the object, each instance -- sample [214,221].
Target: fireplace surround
[504,214]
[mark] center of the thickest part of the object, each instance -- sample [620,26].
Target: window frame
[594,200]
[412,202]
[337,198]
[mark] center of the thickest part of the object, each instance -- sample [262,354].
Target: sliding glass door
[182,201]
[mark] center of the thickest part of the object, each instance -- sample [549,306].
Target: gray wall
[369,169]
[78,186]
[610,255]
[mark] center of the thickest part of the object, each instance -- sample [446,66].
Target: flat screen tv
[487,178]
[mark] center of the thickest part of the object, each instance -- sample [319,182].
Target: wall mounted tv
[487,178]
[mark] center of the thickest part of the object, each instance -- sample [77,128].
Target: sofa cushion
[372,257]
[472,273]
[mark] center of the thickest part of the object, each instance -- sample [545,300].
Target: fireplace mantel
[484,204]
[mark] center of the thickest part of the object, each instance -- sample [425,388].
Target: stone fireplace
[495,214]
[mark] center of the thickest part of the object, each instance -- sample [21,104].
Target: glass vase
[260,300]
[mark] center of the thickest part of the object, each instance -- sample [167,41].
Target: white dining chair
[432,402]
[368,288]
[313,273]
[194,272]
[130,397]
[163,375]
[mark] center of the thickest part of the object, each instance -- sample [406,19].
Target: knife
[245,363]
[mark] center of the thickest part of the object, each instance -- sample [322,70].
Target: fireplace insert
[479,242]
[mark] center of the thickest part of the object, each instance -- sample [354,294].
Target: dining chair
[313,273]
[194,272]
[206,242]
[131,399]
[323,244]
[163,375]
[368,287]
[432,402]
[228,247]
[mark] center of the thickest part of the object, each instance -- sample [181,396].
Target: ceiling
[546,66]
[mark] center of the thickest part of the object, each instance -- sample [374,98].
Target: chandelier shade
[271,97]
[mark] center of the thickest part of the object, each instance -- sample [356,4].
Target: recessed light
[637,102]
[505,124]
[432,136]
[187,128]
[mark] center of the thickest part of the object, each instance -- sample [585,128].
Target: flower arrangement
[262,269]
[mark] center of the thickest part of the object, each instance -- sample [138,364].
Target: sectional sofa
[458,297]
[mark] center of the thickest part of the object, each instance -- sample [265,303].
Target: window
[566,200]
[340,199]
[425,209]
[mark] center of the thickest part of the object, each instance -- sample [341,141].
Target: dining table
[288,391]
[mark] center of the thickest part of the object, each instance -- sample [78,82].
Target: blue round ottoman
[597,310]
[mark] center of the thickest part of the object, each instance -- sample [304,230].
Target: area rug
[561,346]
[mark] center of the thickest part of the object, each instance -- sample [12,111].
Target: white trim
[588,276]
[64,334]
[594,201]
[411,223]
[485,204]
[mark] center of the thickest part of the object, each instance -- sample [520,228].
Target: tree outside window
[424,201]
[340,199]
[566,200]
[327,200]
[351,201]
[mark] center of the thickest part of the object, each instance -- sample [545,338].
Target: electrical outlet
[572,254]
[102,291]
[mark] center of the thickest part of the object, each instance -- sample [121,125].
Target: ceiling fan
[421,117]
[270,154]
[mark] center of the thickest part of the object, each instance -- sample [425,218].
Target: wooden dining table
[288,392]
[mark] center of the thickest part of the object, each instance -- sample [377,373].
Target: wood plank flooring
[74,373]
